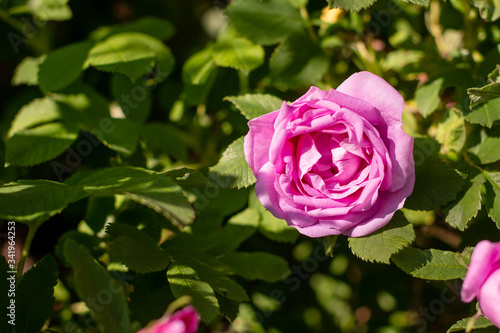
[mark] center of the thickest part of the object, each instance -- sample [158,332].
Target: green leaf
[146,187]
[27,71]
[494,77]
[36,112]
[165,138]
[351,5]
[257,266]
[481,322]
[232,170]
[101,292]
[489,9]
[264,22]
[92,243]
[460,212]
[153,26]
[428,97]
[298,62]
[214,272]
[126,53]
[98,210]
[34,295]
[493,196]
[436,184]
[51,10]
[419,2]
[33,200]
[255,105]
[451,132]
[483,94]
[134,98]
[63,66]
[485,114]
[382,244]
[136,249]
[487,151]
[185,281]
[429,264]
[238,53]
[40,144]
[187,177]
[240,227]
[199,67]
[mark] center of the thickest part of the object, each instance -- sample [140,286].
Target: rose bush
[183,321]
[334,162]
[483,280]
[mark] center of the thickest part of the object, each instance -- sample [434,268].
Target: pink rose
[334,162]
[483,280]
[183,321]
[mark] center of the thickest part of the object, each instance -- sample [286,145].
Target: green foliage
[493,191]
[451,133]
[429,264]
[489,9]
[257,266]
[255,105]
[232,169]
[35,295]
[111,310]
[428,97]
[356,5]
[481,322]
[485,114]
[382,244]
[238,53]
[27,71]
[265,23]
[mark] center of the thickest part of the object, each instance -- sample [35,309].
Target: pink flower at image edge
[334,162]
[183,321]
[483,280]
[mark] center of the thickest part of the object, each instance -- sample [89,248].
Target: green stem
[470,324]
[26,249]
[310,30]
[244,83]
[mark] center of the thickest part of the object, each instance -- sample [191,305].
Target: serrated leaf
[36,112]
[232,170]
[494,77]
[126,53]
[481,322]
[351,5]
[187,177]
[146,187]
[136,249]
[436,184]
[382,244]
[265,23]
[134,99]
[489,9]
[485,113]
[483,94]
[459,213]
[419,2]
[185,281]
[50,10]
[493,196]
[35,295]
[165,138]
[27,71]
[451,132]
[238,53]
[33,146]
[214,272]
[428,97]
[63,66]
[255,105]
[33,200]
[257,266]
[429,264]
[94,283]
[298,62]
[153,26]
[487,150]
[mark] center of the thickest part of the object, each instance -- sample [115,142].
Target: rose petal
[258,140]
[376,91]
[489,298]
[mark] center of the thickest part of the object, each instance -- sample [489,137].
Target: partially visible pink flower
[483,280]
[183,321]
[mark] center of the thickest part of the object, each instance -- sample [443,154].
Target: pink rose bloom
[183,321]
[334,162]
[483,280]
